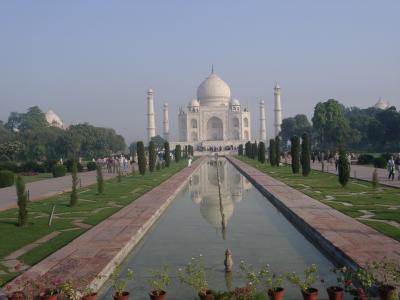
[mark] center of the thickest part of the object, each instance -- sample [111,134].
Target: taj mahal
[214,117]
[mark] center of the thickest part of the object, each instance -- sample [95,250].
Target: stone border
[93,256]
[344,239]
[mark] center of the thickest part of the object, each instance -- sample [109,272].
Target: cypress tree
[22,201]
[277,151]
[74,193]
[240,150]
[178,153]
[152,156]
[261,152]
[167,155]
[100,179]
[248,149]
[141,158]
[272,152]
[305,155]
[254,150]
[295,153]
[375,179]
[344,168]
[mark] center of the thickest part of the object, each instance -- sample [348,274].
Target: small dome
[194,103]
[53,119]
[235,102]
[213,91]
[381,104]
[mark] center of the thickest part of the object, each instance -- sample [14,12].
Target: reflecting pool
[244,221]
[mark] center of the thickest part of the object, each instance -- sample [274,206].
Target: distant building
[382,104]
[54,120]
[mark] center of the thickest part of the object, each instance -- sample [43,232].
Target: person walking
[190,161]
[397,166]
[391,168]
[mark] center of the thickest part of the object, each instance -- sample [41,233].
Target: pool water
[253,229]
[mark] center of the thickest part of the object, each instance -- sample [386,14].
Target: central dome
[213,91]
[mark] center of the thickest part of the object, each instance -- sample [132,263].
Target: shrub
[375,179]
[277,151]
[305,155]
[240,150]
[344,168]
[68,164]
[141,158]
[22,201]
[167,155]
[295,153]
[248,149]
[9,165]
[152,156]
[32,166]
[74,192]
[59,170]
[272,152]
[261,152]
[178,153]
[48,164]
[365,159]
[6,178]
[100,179]
[91,166]
[254,150]
[380,162]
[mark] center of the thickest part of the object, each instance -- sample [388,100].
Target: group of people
[393,166]
[115,164]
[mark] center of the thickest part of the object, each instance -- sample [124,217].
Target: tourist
[190,158]
[336,161]
[397,165]
[391,168]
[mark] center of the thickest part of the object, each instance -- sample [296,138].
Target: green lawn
[37,177]
[353,200]
[91,209]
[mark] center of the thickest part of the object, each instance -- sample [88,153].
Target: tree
[305,155]
[329,123]
[295,153]
[343,168]
[158,142]
[272,152]
[296,125]
[277,151]
[167,154]
[240,150]
[22,201]
[254,150]
[100,179]
[261,152]
[248,149]
[178,153]
[152,156]
[74,192]
[141,158]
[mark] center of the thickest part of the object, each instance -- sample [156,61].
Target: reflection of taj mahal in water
[206,195]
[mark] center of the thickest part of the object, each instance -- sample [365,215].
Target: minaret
[151,121]
[263,125]
[166,122]
[278,109]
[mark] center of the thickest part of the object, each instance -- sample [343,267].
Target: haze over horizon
[93,61]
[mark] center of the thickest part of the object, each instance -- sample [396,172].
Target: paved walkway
[48,187]
[98,250]
[360,172]
[347,240]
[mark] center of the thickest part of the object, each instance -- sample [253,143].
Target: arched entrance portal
[215,129]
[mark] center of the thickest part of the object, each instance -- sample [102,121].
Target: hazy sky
[94,60]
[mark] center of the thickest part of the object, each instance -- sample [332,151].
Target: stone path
[345,239]
[360,172]
[98,250]
[46,188]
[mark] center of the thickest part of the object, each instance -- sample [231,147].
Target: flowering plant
[159,280]
[194,275]
[270,280]
[344,278]
[119,284]
[310,277]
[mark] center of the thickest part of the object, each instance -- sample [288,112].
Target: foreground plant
[305,284]
[386,273]
[119,284]
[194,275]
[158,282]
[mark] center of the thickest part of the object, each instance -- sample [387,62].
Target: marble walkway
[93,256]
[48,187]
[342,237]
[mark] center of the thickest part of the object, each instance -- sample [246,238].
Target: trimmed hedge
[9,166]
[380,162]
[68,164]
[32,166]
[59,170]
[6,178]
[365,159]
[91,166]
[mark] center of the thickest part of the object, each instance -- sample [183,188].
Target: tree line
[28,136]
[355,129]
